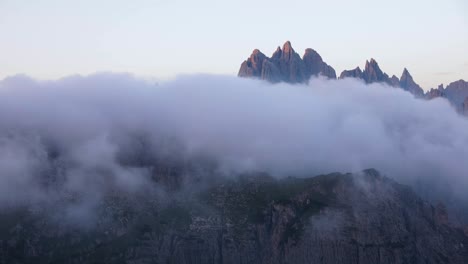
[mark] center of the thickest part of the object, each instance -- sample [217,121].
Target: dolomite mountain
[285,65]
[336,218]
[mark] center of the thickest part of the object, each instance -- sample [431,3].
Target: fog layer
[76,133]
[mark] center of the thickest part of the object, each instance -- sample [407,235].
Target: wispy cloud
[444,73]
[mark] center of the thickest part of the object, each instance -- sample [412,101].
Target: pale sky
[49,39]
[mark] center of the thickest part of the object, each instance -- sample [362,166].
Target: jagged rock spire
[372,73]
[408,84]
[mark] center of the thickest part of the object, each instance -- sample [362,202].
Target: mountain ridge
[292,69]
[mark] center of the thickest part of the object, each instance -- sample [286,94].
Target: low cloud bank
[74,136]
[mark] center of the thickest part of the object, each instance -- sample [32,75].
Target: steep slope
[408,84]
[335,218]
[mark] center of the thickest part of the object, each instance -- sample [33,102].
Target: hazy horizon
[161,39]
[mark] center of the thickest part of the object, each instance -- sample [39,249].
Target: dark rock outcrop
[335,218]
[372,73]
[408,84]
[286,65]
[434,93]
[356,73]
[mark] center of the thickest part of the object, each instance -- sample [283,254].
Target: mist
[88,136]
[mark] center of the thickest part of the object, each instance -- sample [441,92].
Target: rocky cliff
[335,218]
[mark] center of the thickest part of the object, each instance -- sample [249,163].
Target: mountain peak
[287,46]
[406,73]
[373,73]
[286,65]
[256,51]
[311,53]
[288,51]
[408,84]
[372,63]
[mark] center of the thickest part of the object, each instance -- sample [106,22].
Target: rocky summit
[334,218]
[408,84]
[285,65]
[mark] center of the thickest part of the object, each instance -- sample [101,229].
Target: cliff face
[286,65]
[336,218]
